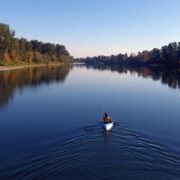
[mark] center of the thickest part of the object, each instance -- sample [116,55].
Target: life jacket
[107,119]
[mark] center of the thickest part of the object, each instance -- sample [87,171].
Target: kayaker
[106,118]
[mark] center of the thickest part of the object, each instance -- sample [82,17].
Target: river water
[50,123]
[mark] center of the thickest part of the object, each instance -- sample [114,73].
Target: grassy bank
[24,65]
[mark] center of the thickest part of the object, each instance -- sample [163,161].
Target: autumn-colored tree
[17,50]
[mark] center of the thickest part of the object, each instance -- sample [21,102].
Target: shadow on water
[91,153]
[33,76]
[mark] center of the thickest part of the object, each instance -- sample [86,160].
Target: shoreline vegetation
[22,52]
[168,55]
[19,52]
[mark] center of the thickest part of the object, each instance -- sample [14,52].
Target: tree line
[167,55]
[21,51]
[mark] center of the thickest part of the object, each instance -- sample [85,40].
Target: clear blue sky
[94,27]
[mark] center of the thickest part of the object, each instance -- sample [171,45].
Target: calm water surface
[50,123]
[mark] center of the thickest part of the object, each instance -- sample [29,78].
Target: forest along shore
[20,51]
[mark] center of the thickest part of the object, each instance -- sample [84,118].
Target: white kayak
[107,126]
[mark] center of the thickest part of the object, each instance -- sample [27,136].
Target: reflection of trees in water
[166,74]
[10,80]
[20,78]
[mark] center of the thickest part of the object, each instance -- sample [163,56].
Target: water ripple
[92,153]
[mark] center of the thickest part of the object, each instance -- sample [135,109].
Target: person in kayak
[106,118]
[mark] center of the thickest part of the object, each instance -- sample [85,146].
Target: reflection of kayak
[107,126]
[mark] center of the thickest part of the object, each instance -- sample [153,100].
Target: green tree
[6,38]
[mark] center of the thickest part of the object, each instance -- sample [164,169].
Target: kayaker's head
[106,114]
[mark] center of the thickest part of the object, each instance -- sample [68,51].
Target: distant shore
[6,68]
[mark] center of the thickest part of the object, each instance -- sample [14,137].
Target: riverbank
[6,68]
